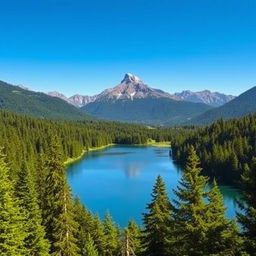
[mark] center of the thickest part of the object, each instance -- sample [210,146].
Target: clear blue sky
[86,46]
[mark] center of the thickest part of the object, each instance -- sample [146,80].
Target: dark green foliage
[15,99]
[248,216]
[156,111]
[35,241]
[134,237]
[194,225]
[222,235]
[89,247]
[224,148]
[238,107]
[198,224]
[112,235]
[190,212]
[58,214]
[26,139]
[156,222]
[99,237]
[12,233]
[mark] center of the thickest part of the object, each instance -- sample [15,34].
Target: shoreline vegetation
[150,143]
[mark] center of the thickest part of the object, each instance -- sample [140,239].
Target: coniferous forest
[39,216]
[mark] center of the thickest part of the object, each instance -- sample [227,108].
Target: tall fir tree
[35,241]
[99,237]
[134,236]
[156,222]
[89,248]
[113,247]
[190,217]
[58,212]
[222,236]
[247,217]
[12,234]
[85,222]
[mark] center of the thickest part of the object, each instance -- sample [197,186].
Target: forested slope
[225,147]
[16,99]
[241,106]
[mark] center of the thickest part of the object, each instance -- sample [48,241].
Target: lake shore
[74,159]
[161,144]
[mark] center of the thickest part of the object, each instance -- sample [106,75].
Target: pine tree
[132,239]
[222,235]
[89,247]
[98,236]
[85,222]
[156,222]
[35,241]
[11,220]
[112,237]
[58,213]
[247,217]
[190,222]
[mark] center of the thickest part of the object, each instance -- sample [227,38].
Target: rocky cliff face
[214,99]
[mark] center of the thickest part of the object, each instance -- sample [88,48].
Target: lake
[120,179]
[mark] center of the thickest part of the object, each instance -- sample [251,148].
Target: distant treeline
[25,138]
[226,148]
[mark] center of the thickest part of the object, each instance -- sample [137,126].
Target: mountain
[214,99]
[81,100]
[132,87]
[16,99]
[238,107]
[134,101]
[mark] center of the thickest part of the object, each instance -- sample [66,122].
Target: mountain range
[131,84]
[130,101]
[134,101]
[243,105]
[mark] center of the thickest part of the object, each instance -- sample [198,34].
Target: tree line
[39,216]
[226,148]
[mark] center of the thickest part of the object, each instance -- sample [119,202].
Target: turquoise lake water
[119,179]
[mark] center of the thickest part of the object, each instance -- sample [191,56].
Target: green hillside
[238,107]
[15,99]
[159,111]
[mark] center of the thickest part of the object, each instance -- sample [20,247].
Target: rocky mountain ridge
[132,87]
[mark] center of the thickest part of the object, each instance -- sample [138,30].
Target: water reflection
[120,179]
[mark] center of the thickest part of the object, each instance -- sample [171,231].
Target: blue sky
[86,46]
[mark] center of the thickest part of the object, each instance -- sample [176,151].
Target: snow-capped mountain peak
[130,78]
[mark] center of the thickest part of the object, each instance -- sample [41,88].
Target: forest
[40,217]
[226,148]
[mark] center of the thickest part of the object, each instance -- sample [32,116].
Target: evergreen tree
[89,247]
[156,222]
[133,238]
[58,213]
[35,241]
[85,225]
[190,217]
[247,217]
[98,235]
[222,235]
[11,220]
[112,237]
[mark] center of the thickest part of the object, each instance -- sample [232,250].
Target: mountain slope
[22,101]
[154,111]
[238,107]
[214,99]
[133,101]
